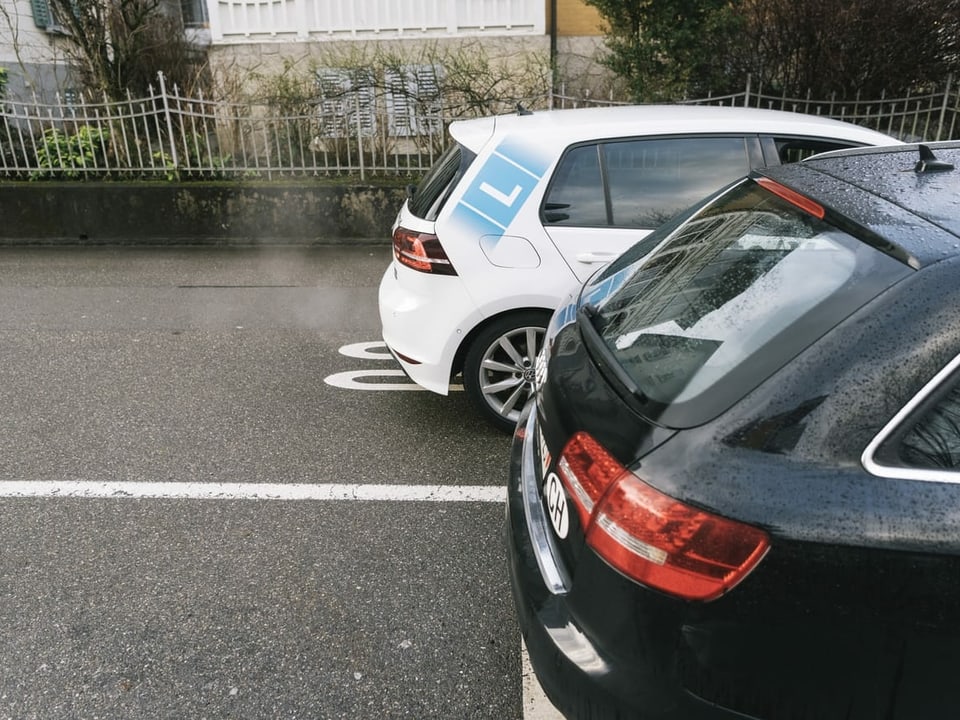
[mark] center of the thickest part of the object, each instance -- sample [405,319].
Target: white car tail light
[421,251]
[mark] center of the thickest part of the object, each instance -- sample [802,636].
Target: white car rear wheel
[498,371]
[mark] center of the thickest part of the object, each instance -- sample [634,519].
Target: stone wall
[195,213]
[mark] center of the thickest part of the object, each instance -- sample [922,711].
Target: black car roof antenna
[521,110]
[929,163]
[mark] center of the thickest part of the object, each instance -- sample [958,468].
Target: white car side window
[640,183]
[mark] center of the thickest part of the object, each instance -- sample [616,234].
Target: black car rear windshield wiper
[591,323]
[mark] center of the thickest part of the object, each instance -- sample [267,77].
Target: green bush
[64,156]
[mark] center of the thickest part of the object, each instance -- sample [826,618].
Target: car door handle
[595,257]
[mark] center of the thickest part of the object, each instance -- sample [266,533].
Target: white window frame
[868,458]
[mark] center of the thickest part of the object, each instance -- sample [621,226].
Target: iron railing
[920,117]
[359,133]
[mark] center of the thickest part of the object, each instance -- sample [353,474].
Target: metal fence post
[356,97]
[169,121]
[943,106]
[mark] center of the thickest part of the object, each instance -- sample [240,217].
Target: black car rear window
[432,192]
[727,299]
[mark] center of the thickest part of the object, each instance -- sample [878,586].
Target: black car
[737,493]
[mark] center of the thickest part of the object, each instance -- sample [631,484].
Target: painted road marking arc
[351,380]
[374,350]
[372,378]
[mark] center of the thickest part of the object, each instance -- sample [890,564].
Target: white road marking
[369,379]
[536,706]
[351,380]
[252,491]
[375,350]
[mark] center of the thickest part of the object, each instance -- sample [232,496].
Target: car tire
[498,369]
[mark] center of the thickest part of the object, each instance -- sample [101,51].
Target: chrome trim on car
[552,569]
[905,473]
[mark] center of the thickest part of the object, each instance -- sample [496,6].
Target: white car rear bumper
[424,320]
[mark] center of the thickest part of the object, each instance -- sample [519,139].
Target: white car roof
[575,125]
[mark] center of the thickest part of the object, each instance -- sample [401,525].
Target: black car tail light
[421,251]
[653,538]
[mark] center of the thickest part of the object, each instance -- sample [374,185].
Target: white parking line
[252,491]
[535,704]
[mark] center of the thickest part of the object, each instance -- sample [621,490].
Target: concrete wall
[195,213]
[254,68]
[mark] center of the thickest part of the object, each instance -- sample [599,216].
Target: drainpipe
[553,49]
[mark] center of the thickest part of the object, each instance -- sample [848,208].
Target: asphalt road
[183,529]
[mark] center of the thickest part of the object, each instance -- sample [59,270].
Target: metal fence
[359,133]
[929,116]
[167,135]
[921,117]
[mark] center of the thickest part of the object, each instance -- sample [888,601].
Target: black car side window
[934,440]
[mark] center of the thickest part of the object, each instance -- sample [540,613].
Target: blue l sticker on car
[500,189]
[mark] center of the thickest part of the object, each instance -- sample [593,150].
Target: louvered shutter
[413,100]
[41,13]
[401,113]
[342,93]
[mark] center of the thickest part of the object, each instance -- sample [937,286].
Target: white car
[522,208]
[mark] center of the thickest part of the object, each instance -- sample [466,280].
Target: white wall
[20,39]
[258,21]
[33,58]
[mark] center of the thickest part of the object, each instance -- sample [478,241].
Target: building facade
[257,38]
[252,38]
[35,46]
[32,51]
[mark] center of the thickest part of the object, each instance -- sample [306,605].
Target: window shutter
[41,13]
[342,93]
[413,100]
[401,113]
